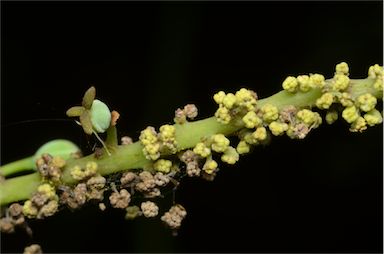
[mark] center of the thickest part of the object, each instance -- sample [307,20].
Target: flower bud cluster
[157,144]
[43,203]
[50,168]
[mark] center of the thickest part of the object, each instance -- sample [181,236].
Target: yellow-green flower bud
[148,136]
[378,85]
[278,128]
[260,134]
[373,117]
[325,101]
[317,81]
[79,173]
[47,190]
[304,83]
[290,84]
[152,151]
[350,114]
[375,71]
[230,156]
[167,132]
[202,150]
[29,209]
[342,68]
[229,100]
[246,98]
[251,120]
[222,115]
[331,117]
[359,125]
[250,139]
[340,82]
[219,143]
[210,166]
[219,97]
[366,102]
[243,147]
[345,99]
[163,166]
[270,112]
[308,117]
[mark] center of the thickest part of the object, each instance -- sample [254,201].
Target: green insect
[95,116]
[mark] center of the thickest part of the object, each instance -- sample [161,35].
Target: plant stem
[19,188]
[17,166]
[131,156]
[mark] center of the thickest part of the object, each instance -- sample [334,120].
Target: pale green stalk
[187,136]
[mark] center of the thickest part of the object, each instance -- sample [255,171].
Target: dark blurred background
[321,194]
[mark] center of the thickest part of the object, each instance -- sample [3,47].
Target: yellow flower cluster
[163,166]
[47,190]
[243,147]
[168,139]
[219,143]
[350,114]
[309,117]
[325,101]
[79,173]
[270,112]
[331,116]
[278,128]
[210,166]
[377,72]
[43,203]
[230,156]
[340,79]
[148,138]
[373,117]
[359,125]
[303,83]
[242,99]
[366,102]
[251,120]
[202,150]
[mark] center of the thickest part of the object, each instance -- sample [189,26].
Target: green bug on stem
[95,116]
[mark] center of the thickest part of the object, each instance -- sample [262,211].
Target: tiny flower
[278,128]
[251,120]
[350,114]
[270,113]
[342,68]
[219,143]
[304,83]
[366,102]
[290,84]
[149,209]
[202,150]
[243,147]
[325,101]
[331,117]
[373,117]
[162,165]
[230,156]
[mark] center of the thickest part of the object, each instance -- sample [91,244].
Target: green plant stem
[17,166]
[19,188]
[187,135]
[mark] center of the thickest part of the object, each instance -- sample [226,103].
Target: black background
[322,194]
